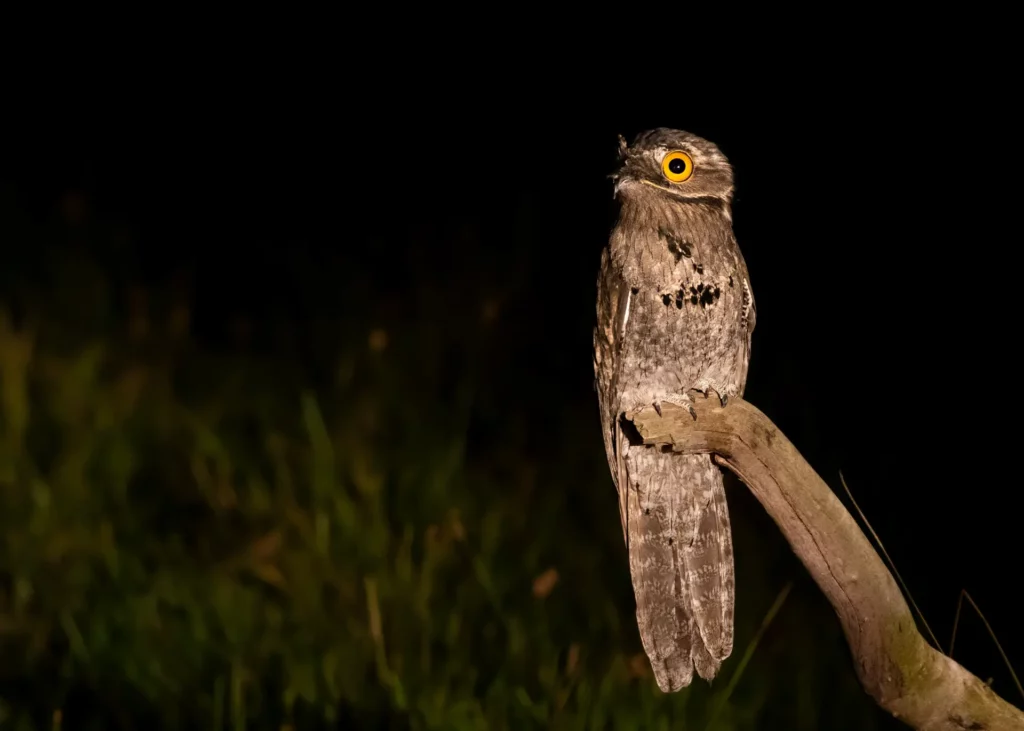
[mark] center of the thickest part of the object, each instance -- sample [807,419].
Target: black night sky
[878,222]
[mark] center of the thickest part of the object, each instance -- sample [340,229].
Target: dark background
[877,219]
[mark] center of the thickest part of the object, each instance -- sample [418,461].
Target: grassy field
[404,535]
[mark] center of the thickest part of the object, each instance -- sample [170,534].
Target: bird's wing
[749,317]
[613,305]
[750,308]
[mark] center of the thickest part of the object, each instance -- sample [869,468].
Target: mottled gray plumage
[675,313]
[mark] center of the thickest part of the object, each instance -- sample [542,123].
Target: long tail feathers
[680,553]
[709,564]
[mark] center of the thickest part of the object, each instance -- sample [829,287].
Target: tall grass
[211,539]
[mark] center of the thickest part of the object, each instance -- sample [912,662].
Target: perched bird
[675,312]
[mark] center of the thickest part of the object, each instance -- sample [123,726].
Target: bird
[675,314]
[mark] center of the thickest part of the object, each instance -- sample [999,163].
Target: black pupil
[677,165]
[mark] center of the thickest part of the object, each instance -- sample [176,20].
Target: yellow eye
[677,166]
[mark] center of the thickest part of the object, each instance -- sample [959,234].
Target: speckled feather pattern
[675,313]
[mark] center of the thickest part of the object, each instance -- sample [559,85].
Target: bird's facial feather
[657,160]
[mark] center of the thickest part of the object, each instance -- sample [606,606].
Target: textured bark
[901,671]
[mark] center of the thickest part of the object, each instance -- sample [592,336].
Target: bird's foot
[683,401]
[724,393]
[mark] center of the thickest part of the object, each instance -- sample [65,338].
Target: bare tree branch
[901,671]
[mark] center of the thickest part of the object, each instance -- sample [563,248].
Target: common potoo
[675,312]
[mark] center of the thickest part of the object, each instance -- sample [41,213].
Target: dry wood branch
[901,671]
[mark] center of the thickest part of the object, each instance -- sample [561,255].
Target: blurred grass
[197,537]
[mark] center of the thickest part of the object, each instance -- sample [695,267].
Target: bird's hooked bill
[621,181]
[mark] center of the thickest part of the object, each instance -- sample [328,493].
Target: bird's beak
[622,180]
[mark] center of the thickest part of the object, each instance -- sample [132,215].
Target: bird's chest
[684,315]
[683,320]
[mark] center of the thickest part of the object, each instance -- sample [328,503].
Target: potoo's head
[674,162]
